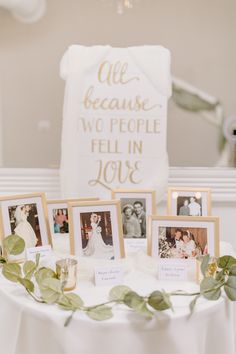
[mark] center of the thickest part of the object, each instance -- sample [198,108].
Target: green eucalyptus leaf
[68,320]
[64,303]
[28,284]
[37,258]
[209,288]
[44,273]
[230,288]
[50,289]
[204,264]
[100,313]
[159,301]
[118,293]
[133,300]
[11,271]
[232,269]
[191,101]
[226,262]
[14,244]
[220,276]
[137,303]
[29,268]
[75,300]
[193,303]
[70,302]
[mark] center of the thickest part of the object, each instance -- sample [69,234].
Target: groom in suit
[141,216]
[175,241]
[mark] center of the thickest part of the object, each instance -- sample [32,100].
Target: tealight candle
[66,270]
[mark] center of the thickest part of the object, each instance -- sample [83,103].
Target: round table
[27,327]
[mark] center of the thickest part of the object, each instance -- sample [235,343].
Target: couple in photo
[183,245]
[191,208]
[22,215]
[134,220]
[61,221]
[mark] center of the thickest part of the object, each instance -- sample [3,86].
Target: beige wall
[200,34]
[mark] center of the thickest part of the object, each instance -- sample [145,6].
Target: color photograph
[24,223]
[96,231]
[184,243]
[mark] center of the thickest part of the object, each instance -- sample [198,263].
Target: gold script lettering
[116,171]
[135,104]
[114,74]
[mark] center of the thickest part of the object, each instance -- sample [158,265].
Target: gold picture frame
[27,216]
[61,229]
[180,204]
[206,240]
[61,204]
[136,206]
[107,225]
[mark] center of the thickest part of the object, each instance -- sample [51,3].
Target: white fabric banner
[114,120]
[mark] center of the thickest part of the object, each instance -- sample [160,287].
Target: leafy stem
[88,308]
[35,297]
[68,320]
[52,289]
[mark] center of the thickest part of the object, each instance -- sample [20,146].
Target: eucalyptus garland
[51,289]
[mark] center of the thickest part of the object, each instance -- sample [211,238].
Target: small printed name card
[172,271]
[134,245]
[108,275]
[44,251]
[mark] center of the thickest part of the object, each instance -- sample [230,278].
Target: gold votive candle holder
[66,270]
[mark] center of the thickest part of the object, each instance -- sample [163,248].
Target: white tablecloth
[30,328]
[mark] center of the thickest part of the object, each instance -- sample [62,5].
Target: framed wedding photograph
[136,206]
[96,229]
[189,201]
[59,223]
[183,237]
[26,216]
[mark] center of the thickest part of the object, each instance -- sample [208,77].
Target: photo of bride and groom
[96,233]
[133,217]
[24,223]
[182,242]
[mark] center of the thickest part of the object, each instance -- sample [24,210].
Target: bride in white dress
[23,227]
[96,247]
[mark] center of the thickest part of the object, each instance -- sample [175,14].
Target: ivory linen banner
[114,120]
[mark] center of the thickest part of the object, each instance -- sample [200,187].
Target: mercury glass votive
[66,270]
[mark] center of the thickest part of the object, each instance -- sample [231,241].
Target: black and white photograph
[134,217]
[96,229]
[189,202]
[189,206]
[136,206]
